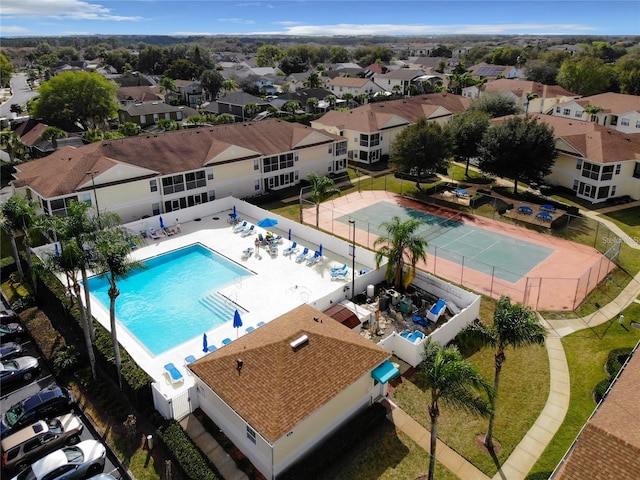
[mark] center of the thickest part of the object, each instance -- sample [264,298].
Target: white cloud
[12,30]
[61,9]
[398,29]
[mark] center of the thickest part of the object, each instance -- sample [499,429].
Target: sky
[318,17]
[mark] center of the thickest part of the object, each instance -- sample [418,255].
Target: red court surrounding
[559,282]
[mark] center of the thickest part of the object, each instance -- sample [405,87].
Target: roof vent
[239,365]
[300,342]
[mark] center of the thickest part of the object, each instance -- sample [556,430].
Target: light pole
[95,194]
[352,224]
[301,191]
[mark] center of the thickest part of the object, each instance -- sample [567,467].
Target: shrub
[187,455]
[601,389]
[616,359]
[65,358]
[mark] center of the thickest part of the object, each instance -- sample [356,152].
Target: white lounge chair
[436,310]
[302,257]
[315,258]
[340,275]
[247,252]
[240,227]
[248,231]
[292,249]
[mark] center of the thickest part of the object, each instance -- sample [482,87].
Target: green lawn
[586,353]
[392,456]
[628,220]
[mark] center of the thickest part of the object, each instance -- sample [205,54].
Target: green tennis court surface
[485,251]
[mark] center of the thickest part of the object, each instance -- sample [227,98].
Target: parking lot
[19,390]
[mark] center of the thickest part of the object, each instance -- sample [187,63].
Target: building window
[341,148]
[557,109]
[566,111]
[173,184]
[579,114]
[256,164]
[618,167]
[613,190]
[590,170]
[179,115]
[603,192]
[143,119]
[638,124]
[578,164]
[256,185]
[607,172]
[155,208]
[251,434]
[209,173]
[86,198]
[575,185]
[195,180]
[625,122]
[153,185]
[636,171]
[156,117]
[330,151]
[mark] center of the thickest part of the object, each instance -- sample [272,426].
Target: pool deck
[280,285]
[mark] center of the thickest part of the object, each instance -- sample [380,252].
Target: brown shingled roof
[608,448]
[520,88]
[278,387]
[610,102]
[62,172]
[373,116]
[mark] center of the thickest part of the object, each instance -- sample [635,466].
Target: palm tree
[167,85]
[454,382]
[18,217]
[592,111]
[69,262]
[11,142]
[53,134]
[331,100]
[530,96]
[229,86]
[313,81]
[312,103]
[348,97]
[250,109]
[292,106]
[402,245]
[513,325]
[322,188]
[113,260]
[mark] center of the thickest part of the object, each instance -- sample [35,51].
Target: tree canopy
[520,148]
[86,98]
[585,75]
[495,105]
[424,146]
[6,69]
[467,129]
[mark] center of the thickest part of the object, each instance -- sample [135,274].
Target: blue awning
[385,372]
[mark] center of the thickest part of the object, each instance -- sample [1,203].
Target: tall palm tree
[17,218]
[592,111]
[313,81]
[229,86]
[312,103]
[113,260]
[513,325]
[167,85]
[401,245]
[15,148]
[68,261]
[454,382]
[250,109]
[322,188]
[530,96]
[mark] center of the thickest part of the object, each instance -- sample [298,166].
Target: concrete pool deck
[280,285]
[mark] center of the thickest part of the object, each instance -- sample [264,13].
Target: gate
[181,405]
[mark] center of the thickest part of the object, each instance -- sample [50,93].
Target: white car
[69,463]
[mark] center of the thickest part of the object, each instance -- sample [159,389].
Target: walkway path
[531,447]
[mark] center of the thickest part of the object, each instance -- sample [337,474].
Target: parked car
[10,349]
[20,369]
[69,463]
[8,316]
[25,446]
[11,332]
[46,403]
[103,476]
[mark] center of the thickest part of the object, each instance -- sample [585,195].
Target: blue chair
[289,250]
[303,255]
[211,348]
[340,275]
[315,258]
[173,373]
[405,334]
[226,341]
[189,359]
[525,210]
[239,228]
[248,231]
[416,336]
[544,216]
[436,310]
[259,324]
[420,320]
[339,269]
[250,329]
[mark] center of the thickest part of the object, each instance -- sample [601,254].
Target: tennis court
[452,240]
[495,258]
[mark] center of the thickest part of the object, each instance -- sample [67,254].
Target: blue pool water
[173,299]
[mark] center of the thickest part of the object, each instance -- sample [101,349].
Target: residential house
[596,162]
[149,113]
[294,81]
[353,85]
[131,79]
[370,129]
[398,81]
[303,96]
[188,92]
[492,72]
[234,103]
[30,133]
[608,446]
[278,391]
[421,49]
[132,95]
[153,174]
[615,110]
[546,96]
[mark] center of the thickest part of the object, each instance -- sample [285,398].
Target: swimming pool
[174,298]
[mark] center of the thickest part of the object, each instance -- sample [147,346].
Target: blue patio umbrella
[205,344]
[161,223]
[267,222]
[237,322]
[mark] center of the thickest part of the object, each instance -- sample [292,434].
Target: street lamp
[93,183]
[352,224]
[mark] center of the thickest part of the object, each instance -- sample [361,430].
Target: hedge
[615,360]
[187,455]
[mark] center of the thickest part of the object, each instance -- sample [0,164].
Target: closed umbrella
[234,212]
[289,237]
[237,322]
[56,249]
[267,222]
[205,344]
[161,223]
[320,250]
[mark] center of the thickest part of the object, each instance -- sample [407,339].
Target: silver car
[69,463]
